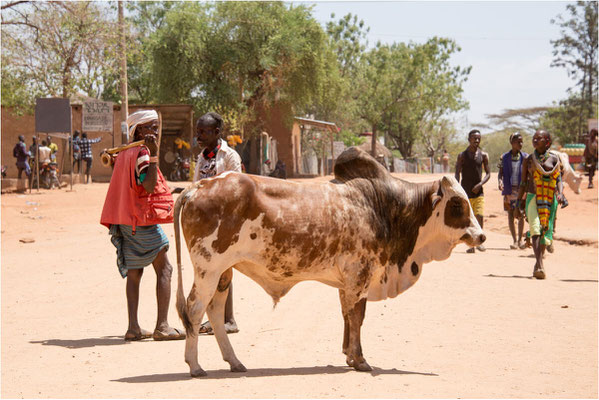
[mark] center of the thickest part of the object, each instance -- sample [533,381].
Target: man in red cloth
[138,200]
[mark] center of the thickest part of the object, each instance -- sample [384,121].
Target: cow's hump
[356,163]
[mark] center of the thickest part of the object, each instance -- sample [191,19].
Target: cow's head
[453,221]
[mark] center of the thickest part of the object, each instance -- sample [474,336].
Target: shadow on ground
[83,343]
[262,372]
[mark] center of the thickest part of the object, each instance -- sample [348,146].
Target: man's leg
[520,233]
[510,221]
[230,324]
[133,280]
[164,271]
[539,250]
[88,166]
[592,168]
[20,172]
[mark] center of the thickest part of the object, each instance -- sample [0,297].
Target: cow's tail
[181,303]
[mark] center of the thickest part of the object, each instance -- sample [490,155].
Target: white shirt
[45,154]
[227,159]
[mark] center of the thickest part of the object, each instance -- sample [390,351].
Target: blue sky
[505,42]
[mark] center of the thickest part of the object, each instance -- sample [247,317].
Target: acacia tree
[57,49]
[576,50]
[525,119]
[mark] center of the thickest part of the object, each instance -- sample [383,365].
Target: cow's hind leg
[216,315]
[197,303]
[353,310]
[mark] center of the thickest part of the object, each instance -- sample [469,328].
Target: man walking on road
[469,165]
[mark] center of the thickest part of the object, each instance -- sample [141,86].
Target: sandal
[132,337]
[176,334]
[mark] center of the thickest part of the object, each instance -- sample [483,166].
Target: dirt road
[473,326]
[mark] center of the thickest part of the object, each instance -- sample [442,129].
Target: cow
[365,233]
[572,178]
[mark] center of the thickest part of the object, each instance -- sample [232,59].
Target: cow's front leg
[216,315]
[354,309]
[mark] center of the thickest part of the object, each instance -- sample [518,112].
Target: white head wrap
[140,117]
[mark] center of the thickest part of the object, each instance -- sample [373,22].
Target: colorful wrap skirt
[134,251]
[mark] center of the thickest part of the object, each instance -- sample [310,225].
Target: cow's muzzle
[475,240]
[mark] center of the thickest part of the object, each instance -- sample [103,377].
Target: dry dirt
[474,326]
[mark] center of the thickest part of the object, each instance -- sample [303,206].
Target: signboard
[592,124]
[338,148]
[52,115]
[97,116]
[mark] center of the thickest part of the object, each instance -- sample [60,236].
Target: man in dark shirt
[22,155]
[469,165]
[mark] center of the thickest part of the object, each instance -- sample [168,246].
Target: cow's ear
[437,194]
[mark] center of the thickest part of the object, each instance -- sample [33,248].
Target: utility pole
[123,57]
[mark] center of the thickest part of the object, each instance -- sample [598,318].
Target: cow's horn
[437,194]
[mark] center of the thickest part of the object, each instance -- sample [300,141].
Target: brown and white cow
[571,177]
[366,233]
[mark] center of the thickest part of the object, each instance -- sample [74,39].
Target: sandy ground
[474,326]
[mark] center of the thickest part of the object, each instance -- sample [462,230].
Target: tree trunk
[373,142]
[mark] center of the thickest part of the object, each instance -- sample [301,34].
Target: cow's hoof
[197,372]
[238,368]
[363,367]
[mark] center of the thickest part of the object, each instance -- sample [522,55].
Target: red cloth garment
[128,203]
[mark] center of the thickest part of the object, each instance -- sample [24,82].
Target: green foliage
[562,119]
[407,88]
[239,58]
[350,139]
[576,50]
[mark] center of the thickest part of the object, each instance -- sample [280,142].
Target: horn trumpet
[107,155]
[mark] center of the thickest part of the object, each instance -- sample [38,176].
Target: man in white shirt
[216,157]
[45,152]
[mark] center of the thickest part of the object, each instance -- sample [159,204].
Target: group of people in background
[48,151]
[531,186]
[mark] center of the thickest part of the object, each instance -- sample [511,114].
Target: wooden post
[123,68]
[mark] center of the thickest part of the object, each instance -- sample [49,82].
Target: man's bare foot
[539,273]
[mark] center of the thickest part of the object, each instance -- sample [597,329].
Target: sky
[507,43]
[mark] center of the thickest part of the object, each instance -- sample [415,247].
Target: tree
[145,18]
[336,95]
[576,50]
[57,49]
[418,87]
[518,119]
[245,57]
[561,120]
